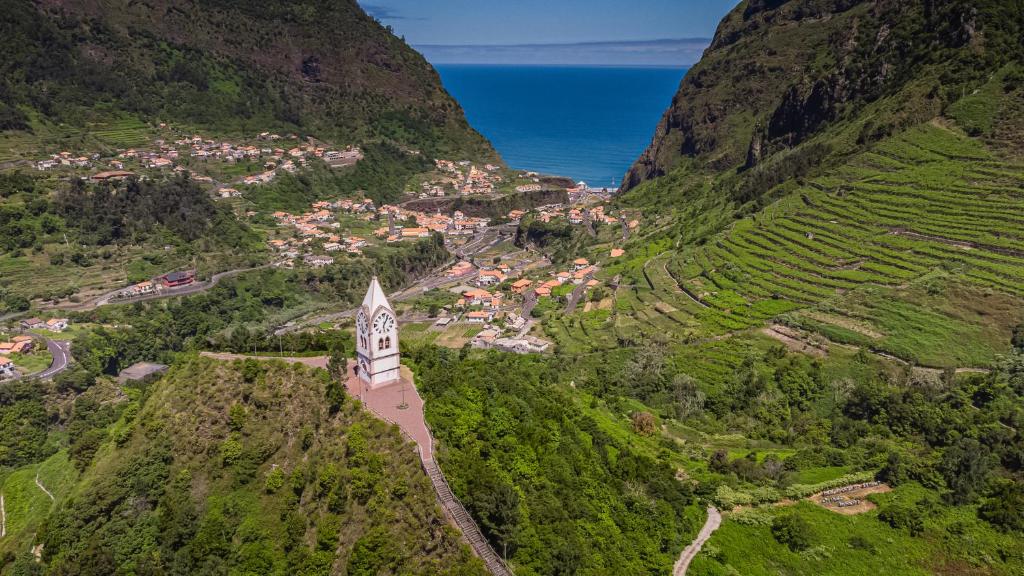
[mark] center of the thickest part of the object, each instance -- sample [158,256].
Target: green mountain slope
[242,468]
[314,66]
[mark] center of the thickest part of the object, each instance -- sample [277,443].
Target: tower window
[380,344]
[387,342]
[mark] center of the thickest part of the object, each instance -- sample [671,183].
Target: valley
[270,305]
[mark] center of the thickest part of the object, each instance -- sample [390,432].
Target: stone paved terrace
[384,403]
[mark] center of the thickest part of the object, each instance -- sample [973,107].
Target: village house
[57,324]
[175,279]
[479,316]
[317,261]
[490,277]
[495,302]
[111,175]
[7,369]
[520,286]
[580,275]
[476,297]
[515,322]
[140,289]
[580,264]
[617,252]
[16,347]
[332,246]
[33,324]
[459,269]
[415,232]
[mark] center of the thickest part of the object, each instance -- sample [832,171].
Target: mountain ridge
[311,66]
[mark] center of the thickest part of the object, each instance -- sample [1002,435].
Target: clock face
[361,322]
[383,323]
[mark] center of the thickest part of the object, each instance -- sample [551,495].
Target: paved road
[61,352]
[193,288]
[577,293]
[713,522]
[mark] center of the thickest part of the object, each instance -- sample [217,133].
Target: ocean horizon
[587,122]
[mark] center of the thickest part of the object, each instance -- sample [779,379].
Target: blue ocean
[588,123]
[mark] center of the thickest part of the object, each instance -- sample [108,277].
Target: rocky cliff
[778,73]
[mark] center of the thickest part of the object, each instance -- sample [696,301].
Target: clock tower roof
[375,297]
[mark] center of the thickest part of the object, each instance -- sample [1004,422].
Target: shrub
[792,531]
[275,480]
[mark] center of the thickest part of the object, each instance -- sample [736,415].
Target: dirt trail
[713,522]
[3,517]
[43,488]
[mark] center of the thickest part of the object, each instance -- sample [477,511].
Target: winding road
[60,351]
[713,522]
[193,288]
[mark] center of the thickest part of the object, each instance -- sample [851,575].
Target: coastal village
[494,287]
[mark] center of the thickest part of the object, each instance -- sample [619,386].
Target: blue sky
[653,32]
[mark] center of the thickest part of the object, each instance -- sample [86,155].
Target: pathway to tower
[400,404]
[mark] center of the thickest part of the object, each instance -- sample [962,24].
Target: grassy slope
[26,505]
[351,491]
[954,542]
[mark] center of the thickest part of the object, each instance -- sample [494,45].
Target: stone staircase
[465,522]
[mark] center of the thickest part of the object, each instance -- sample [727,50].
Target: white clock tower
[377,339]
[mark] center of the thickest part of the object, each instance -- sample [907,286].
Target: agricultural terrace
[913,249]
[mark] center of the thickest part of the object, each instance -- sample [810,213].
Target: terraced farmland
[897,251]
[123,133]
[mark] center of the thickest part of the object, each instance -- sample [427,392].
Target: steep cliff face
[315,65]
[780,72]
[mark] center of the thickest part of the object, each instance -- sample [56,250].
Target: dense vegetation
[136,212]
[381,176]
[553,491]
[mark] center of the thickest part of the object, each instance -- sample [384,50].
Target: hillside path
[713,522]
[43,488]
[3,516]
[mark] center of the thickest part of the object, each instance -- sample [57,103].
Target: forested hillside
[250,468]
[317,67]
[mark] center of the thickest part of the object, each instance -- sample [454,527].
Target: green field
[954,542]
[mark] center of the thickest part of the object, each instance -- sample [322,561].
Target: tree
[966,467]
[1017,340]
[903,517]
[689,398]
[1005,507]
[792,531]
[643,423]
